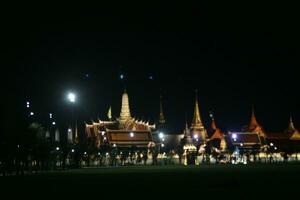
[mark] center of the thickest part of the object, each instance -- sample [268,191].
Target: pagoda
[292,131]
[197,129]
[254,126]
[125,131]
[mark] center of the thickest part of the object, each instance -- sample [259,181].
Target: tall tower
[196,123]
[254,126]
[125,109]
[291,126]
[197,127]
[161,113]
[294,133]
[253,122]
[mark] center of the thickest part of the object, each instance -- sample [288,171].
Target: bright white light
[275,148]
[85,153]
[131,134]
[161,135]
[104,138]
[27,106]
[72,97]
[196,136]
[163,139]
[57,148]
[107,154]
[245,162]
[121,76]
[50,115]
[114,145]
[99,154]
[73,150]
[69,130]
[234,136]
[162,145]
[197,140]
[53,123]
[31,113]
[103,132]
[27,103]
[242,144]
[271,144]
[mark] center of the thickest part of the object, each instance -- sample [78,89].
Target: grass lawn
[213,181]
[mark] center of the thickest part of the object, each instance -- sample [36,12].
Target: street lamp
[161,135]
[72,97]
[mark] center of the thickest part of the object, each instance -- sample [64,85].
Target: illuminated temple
[197,143]
[124,131]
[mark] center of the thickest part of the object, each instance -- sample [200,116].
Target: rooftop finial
[213,124]
[161,113]
[291,124]
[253,122]
[197,123]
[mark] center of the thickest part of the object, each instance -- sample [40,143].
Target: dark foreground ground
[209,182]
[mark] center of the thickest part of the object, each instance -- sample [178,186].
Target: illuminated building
[287,141]
[125,131]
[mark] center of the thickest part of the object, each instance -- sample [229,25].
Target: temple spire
[213,124]
[253,122]
[161,113]
[196,123]
[125,109]
[291,124]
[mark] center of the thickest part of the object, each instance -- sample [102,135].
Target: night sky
[234,59]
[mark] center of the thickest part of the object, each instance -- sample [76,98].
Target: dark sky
[234,57]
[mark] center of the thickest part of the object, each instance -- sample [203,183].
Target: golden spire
[196,123]
[291,126]
[161,113]
[125,109]
[253,122]
[109,115]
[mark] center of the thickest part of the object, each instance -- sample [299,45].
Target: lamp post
[72,99]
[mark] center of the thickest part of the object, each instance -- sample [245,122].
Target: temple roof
[278,135]
[217,134]
[129,137]
[246,138]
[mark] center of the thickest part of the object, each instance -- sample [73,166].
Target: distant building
[125,131]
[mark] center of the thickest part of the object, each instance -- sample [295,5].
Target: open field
[239,181]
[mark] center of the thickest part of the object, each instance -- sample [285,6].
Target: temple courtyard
[215,181]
